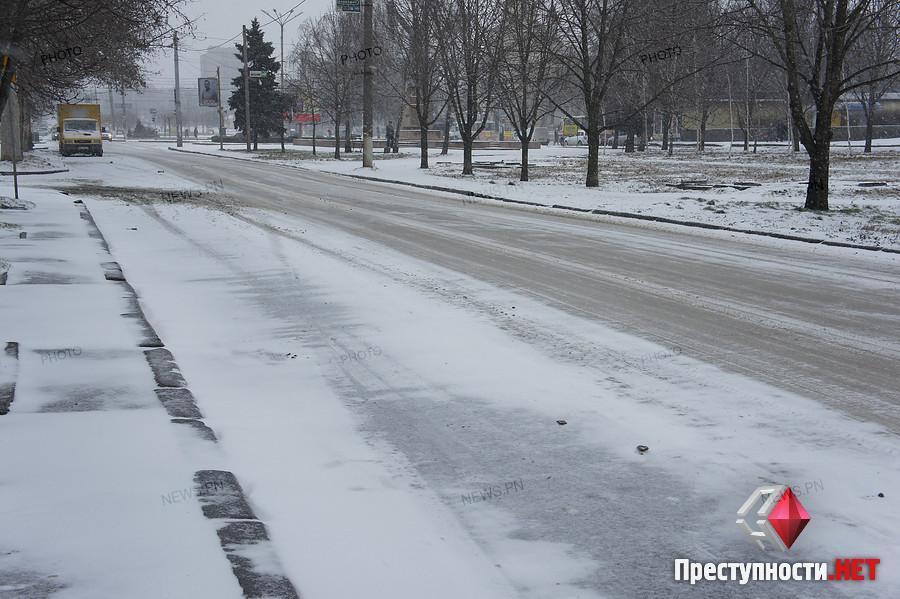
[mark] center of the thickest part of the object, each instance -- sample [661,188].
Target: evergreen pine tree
[265,99]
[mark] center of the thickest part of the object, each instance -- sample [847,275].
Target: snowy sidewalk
[100,489]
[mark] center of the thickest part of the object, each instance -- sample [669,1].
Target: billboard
[208,90]
[347,5]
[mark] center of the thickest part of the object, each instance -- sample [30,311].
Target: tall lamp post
[283,19]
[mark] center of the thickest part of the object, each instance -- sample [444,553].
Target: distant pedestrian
[195,133]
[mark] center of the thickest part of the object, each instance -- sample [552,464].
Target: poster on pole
[208,89]
[347,5]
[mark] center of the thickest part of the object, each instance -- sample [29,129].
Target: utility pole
[124,118]
[221,116]
[730,115]
[246,91]
[368,80]
[283,19]
[112,112]
[747,107]
[178,139]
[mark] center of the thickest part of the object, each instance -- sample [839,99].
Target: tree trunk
[396,147]
[524,173]
[446,146]
[671,123]
[796,136]
[348,142]
[665,131]
[701,132]
[7,129]
[26,140]
[467,155]
[615,143]
[629,141]
[868,109]
[593,165]
[337,138]
[817,187]
[423,147]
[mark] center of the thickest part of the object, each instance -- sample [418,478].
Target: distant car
[576,140]
[105,135]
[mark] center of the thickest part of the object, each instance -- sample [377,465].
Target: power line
[263,25]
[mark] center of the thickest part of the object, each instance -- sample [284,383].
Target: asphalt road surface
[822,324]
[819,322]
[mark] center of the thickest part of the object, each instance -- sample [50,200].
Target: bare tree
[812,41]
[529,34]
[470,56]
[417,41]
[880,44]
[112,39]
[323,44]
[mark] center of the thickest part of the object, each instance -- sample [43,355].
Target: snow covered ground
[639,183]
[362,395]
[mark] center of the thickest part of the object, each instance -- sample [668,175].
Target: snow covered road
[819,321]
[425,397]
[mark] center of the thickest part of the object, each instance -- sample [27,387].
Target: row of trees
[115,38]
[588,60]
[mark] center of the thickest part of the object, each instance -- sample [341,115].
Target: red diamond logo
[789,518]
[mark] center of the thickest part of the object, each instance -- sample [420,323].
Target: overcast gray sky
[219,20]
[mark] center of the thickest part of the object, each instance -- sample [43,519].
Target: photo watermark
[60,55]
[366,53]
[48,356]
[661,54]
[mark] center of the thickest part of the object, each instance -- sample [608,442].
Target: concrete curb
[8,390]
[644,217]
[20,173]
[246,544]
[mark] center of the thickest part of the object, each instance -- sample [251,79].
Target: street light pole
[368,77]
[178,140]
[283,19]
[246,91]
[221,116]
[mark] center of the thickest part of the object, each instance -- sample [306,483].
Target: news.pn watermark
[494,492]
[180,495]
[186,194]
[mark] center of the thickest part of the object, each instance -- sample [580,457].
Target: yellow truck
[79,129]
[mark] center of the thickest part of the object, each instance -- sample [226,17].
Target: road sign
[258,73]
[347,5]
